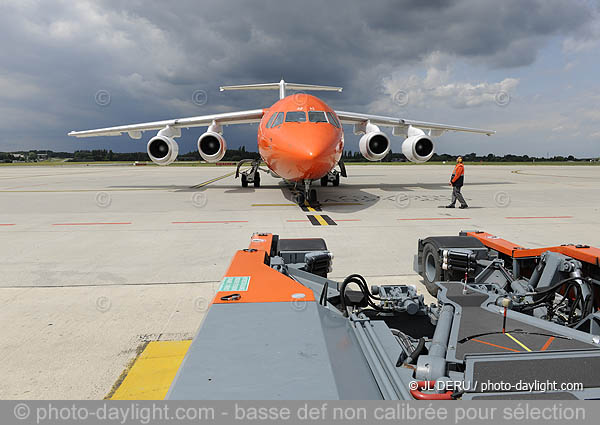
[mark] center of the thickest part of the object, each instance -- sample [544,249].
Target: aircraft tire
[324,181]
[244,181]
[336,182]
[256,179]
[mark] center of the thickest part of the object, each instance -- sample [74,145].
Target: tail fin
[282,85]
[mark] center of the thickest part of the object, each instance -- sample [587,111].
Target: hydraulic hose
[414,355]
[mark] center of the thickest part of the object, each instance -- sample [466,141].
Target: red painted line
[87,224]
[524,218]
[547,344]
[494,345]
[7,224]
[436,218]
[348,219]
[208,222]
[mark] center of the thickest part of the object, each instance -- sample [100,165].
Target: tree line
[99,155]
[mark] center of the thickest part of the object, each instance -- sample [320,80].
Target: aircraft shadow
[347,198]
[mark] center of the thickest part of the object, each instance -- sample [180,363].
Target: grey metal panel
[476,314]
[267,351]
[572,366]
[353,376]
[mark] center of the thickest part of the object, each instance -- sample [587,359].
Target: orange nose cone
[307,154]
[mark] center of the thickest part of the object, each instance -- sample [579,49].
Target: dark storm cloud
[151,56]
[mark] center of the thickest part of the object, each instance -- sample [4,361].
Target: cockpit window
[333,120]
[271,120]
[295,116]
[316,116]
[278,120]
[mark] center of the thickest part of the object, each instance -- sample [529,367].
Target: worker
[457,181]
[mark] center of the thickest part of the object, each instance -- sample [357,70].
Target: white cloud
[436,88]
[586,39]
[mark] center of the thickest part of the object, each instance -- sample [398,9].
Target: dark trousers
[456,195]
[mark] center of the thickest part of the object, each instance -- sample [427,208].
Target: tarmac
[97,261]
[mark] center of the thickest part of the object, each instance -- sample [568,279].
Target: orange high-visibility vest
[457,174]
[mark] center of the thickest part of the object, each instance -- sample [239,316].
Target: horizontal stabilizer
[281,86]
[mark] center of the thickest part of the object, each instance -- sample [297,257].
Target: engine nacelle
[212,146]
[374,145]
[417,147]
[163,150]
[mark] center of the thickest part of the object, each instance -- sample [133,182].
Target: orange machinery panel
[265,284]
[583,253]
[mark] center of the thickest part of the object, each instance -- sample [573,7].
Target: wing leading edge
[403,124]
[135,130]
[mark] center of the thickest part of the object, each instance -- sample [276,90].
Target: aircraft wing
[135,130]
[402,124]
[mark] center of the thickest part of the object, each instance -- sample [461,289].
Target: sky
[525,68]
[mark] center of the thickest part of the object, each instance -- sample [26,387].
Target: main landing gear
[333,176]
[250,175]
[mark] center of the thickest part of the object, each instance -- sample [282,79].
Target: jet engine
[212,146]
[374,145]
[417,147]
[163,150]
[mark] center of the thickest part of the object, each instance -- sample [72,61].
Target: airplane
[300,137]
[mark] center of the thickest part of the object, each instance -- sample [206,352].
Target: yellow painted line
[517,341]
[295,205]
[274,205]
[321,220]
[308,207]
[213,180]
[153,372]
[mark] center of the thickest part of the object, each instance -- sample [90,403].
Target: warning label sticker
[235,283]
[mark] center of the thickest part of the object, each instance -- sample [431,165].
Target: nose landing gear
[306,194]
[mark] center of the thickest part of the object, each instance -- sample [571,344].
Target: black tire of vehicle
[432,268]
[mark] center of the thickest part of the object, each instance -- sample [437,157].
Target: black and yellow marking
[311,207]
[321,220]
